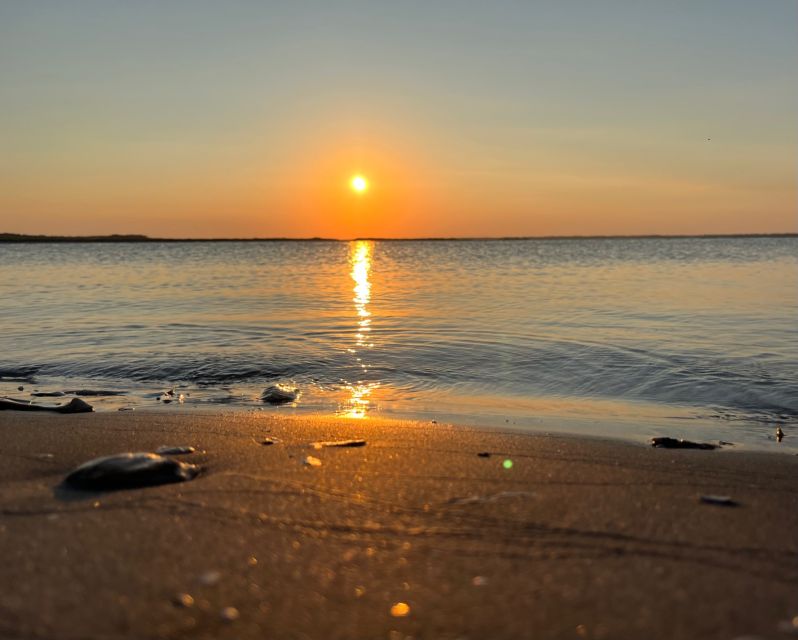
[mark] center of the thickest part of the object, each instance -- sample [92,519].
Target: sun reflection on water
[360,254]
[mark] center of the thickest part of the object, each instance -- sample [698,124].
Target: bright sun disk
[359,184]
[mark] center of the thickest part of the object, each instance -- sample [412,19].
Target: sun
[359,184]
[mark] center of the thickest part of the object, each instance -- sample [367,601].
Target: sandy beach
[413,535]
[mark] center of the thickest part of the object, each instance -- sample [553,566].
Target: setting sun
[359,184]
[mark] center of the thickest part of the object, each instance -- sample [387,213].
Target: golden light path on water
[360,253]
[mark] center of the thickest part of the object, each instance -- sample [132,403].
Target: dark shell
[278,395]
[76,405]
[129,470]
[674,443]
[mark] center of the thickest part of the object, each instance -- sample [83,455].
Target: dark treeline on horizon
[25,238]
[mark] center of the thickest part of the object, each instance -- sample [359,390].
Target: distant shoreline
[19,238]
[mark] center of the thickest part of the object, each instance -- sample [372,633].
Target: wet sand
[579,538]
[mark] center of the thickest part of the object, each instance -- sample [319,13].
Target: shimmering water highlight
[691,331]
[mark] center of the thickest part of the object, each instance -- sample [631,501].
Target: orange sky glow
[532,121]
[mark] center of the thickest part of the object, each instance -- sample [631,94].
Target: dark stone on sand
[128,471]
[719,501]
[76,405]
[20,388]
[94,392]
[484,454]
[277,394]
[269,441]
[677,443]
[175,451]
[47,394]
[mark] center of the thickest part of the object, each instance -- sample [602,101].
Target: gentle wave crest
[702,323]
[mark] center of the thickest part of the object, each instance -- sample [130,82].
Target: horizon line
[133,238]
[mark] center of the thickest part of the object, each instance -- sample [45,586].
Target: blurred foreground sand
[412,536]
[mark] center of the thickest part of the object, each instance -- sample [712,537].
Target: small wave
[23,373]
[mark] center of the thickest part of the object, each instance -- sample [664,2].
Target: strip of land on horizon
[28,238]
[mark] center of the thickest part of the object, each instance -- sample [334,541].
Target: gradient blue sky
[502,118]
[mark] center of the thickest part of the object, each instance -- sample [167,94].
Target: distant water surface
[688,336]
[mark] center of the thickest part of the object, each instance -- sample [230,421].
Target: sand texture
[413,535]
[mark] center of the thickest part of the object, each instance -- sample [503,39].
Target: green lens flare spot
[507,464]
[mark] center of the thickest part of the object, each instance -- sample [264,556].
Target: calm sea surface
[695,337]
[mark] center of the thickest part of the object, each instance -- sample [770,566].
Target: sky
[249,119]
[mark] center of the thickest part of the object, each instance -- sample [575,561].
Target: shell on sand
[129,470]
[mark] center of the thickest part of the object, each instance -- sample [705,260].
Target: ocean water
[637,337]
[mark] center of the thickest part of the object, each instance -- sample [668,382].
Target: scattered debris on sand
[720,501]
[210,578]
[339,443]
[175,451]
[184,600]
[678,443]
[495,497]
[229,614]
[95,392]
[76,405]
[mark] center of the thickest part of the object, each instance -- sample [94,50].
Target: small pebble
[310,461]
[210,578]
[484,454]
[400,610]
[183,600]
[20,388]
[229,614]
